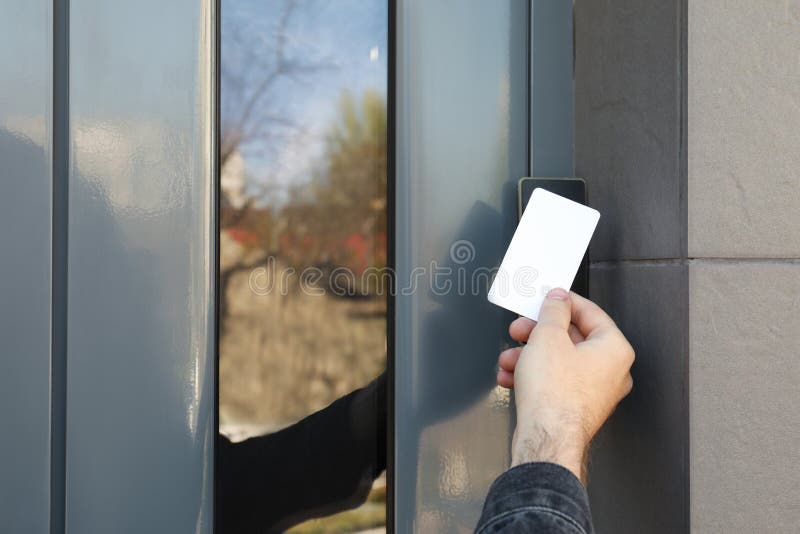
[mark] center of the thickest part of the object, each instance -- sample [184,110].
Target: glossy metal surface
[462,143]
[552,88]
[25,245]
[140,381]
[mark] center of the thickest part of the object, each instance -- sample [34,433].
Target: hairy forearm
[538,442]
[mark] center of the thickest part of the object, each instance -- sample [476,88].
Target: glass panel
[303,250]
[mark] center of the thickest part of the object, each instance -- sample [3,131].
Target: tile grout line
[647,262]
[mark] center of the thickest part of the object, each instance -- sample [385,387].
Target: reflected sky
[303,181]
[331,46]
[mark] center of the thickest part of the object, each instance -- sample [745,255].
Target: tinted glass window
[303,249]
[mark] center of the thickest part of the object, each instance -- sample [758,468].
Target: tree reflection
[285,356]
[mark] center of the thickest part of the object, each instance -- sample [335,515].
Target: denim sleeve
[536,497]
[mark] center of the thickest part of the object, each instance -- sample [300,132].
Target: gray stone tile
[745,377]
[628,125]
[638,473]
[744,112]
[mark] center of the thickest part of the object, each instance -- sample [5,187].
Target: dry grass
[369,517]
[283,357]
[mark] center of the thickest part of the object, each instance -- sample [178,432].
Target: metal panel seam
[60,219]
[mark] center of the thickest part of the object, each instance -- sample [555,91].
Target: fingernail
[557,294]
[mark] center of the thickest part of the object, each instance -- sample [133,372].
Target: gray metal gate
[106,141]
[108,238]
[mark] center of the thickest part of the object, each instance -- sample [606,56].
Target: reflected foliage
[303,184]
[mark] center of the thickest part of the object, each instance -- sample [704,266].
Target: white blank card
[545,252]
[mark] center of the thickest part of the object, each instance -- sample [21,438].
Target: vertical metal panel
[140,389]
[25,248]
[552,88]
[462,143]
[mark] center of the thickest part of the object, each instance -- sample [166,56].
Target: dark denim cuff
[536,497]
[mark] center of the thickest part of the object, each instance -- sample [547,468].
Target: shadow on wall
[460,364]
[24,322]
[140,402]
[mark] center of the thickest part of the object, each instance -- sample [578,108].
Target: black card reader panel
[573,189]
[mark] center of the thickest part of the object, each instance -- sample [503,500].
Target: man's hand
[567,380]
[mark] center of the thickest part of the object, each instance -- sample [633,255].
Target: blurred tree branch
[256,60]
[250,75]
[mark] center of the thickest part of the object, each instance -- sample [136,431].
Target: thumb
[556,309]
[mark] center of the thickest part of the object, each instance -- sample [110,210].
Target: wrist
[540,443]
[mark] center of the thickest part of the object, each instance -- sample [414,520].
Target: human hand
[568,379]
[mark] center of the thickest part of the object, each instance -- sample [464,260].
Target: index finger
[589,318]
[520,330]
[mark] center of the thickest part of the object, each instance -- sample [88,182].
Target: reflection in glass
[302,255]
